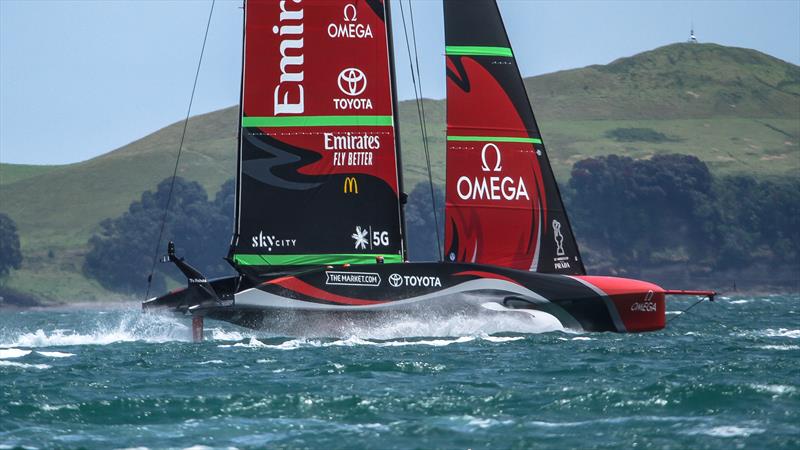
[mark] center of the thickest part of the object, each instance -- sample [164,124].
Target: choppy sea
[724,375]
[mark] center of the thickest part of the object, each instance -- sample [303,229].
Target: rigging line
[425,131]
[421,116]
[685,310]
[180,149]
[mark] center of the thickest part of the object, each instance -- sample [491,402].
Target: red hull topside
[641,305]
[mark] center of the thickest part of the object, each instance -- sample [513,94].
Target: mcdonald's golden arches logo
[350,185]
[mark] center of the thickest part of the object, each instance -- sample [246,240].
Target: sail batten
[494,139]
[478,50]
[317,121]
[313,260]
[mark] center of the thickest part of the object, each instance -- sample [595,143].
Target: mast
[235,234]
[396,109]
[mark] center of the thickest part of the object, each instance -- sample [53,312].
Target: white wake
[133,325]
[128,326]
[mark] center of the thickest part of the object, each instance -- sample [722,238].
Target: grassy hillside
[736,109]
[678,81]
[11,173]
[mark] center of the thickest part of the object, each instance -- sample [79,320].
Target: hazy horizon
[96,95]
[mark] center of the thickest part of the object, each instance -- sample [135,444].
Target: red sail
[502,202]
[318,179]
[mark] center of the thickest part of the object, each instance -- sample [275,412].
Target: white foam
[354,341]
[739,302]
[651,401]
[219,334]
[502,338]
[782,332]
[7,353]
[213,361]
[47,407]
[777,389]
[56,354]
[488,320]
[131,325]
[4,363]
[727,431]
[780,347]
[478,422]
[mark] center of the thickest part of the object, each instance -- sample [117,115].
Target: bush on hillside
[759,218]
[121,254]
[638,135]
[638,208]
[420,229]
[10,255]
[671,209]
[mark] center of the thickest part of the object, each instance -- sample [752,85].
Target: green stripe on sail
[494,139]
[312,260]
[471,50]
[318,121]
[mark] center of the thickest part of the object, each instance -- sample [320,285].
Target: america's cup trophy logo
[558,237]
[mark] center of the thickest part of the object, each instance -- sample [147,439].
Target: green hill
[736,109]
[678,81]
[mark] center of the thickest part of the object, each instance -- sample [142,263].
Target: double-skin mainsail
[318,173]
[503,206]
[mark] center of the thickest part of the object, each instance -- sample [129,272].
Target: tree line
[10,255]
[121,254]
[628,215]
[671,209]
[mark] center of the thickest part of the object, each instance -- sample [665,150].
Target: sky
[82,78]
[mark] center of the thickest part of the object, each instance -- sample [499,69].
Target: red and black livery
[319,229]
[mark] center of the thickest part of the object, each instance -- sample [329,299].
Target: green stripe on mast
[494,139]
[318,121]
[472,50]
[313,260]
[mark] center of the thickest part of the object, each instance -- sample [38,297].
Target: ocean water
[725,375]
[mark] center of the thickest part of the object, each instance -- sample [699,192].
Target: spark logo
[360,236]
[367,237]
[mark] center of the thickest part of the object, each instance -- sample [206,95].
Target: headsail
[502,201]
[318,173]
